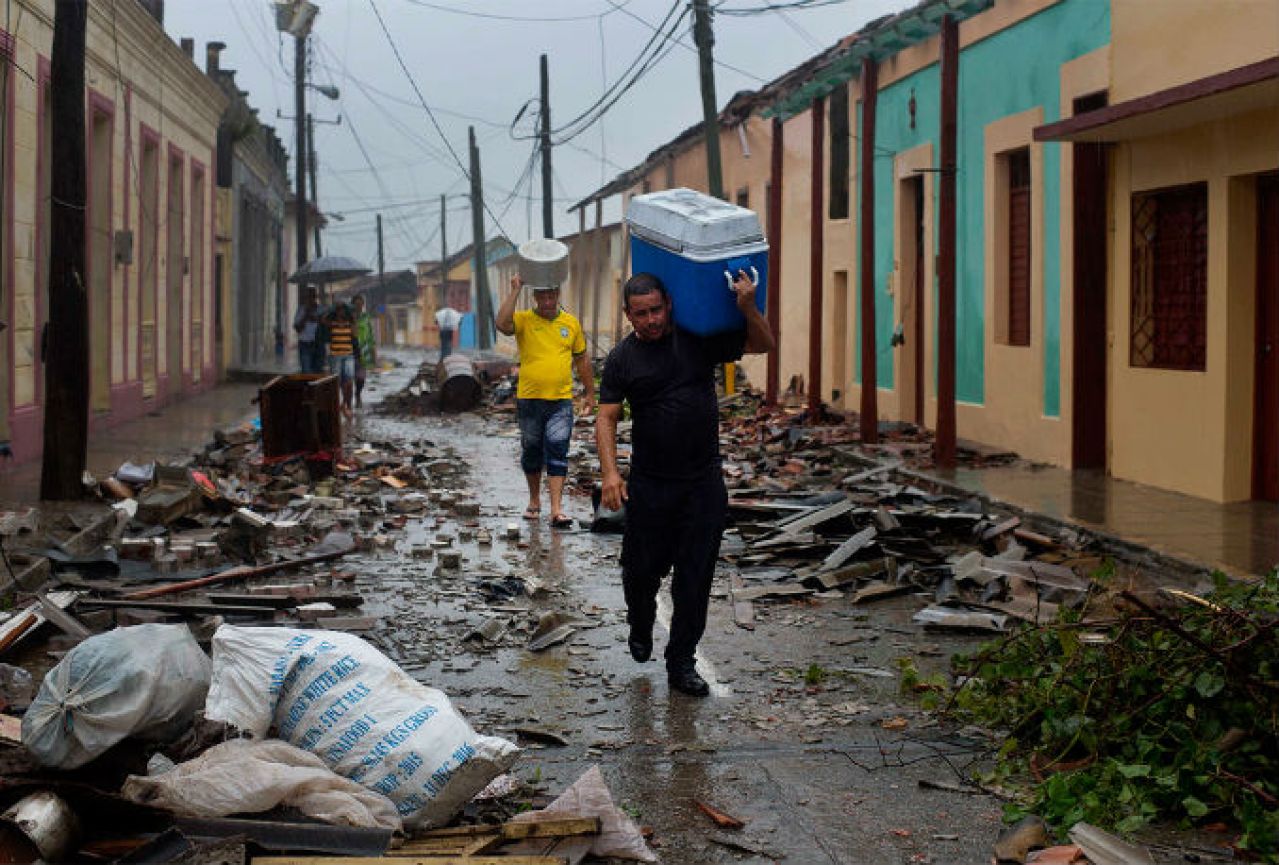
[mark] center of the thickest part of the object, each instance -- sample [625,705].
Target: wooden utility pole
[548,216]
[299,123]
[483,306]
[66,410]
[944,455]
[870,367]
[601,271]
[444,251]
[312,170]
[704,36]
[381,263]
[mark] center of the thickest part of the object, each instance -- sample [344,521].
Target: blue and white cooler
[695,244]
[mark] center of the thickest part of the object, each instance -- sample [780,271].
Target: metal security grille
[1019,248]
[1170,278]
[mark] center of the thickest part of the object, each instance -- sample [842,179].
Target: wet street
[805,737]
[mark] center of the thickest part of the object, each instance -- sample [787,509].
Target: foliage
[1172,715]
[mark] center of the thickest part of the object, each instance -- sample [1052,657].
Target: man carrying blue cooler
[676,502]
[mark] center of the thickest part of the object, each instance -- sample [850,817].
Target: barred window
[1170,278]
[1019,251]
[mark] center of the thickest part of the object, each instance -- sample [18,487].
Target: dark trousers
[675,524]
[446,343]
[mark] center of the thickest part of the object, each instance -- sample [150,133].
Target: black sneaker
[641,646]
[684,678]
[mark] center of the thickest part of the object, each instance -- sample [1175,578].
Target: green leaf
[1194,807]
[1138,770]
[1209,684]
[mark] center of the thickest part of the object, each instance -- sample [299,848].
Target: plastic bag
[336,696]
[147,681]
[246,777]
[619,837]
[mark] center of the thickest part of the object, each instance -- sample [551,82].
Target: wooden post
[944,455]
[483,307]
[774,302]
[870,369]
[597,278]
[817,222]
[704,37]
[548,216]
[66,414]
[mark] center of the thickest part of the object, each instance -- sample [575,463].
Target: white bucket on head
[543,263]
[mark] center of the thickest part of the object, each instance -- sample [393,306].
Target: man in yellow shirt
[551,343]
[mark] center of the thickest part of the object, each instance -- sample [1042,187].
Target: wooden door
[1265,429]
[1089,398]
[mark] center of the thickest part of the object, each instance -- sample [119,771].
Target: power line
[685,45]
[495,17]
[429,113]
[794,5]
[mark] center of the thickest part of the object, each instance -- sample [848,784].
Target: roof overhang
[1249,88]
[877,43]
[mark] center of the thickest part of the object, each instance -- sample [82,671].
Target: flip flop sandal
[561,522]
[530,514]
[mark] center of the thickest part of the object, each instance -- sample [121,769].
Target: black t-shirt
[670,385]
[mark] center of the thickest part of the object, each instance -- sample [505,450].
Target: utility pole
[314,168]
[381,264]
[444,251]
[299,124]
[66,413]
[704,37]
[483,307]
[548,217]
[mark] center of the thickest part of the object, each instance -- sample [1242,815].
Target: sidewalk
[172,432]
[1240,538]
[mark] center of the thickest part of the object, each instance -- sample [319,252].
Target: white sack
[336,696]
[146,681]
[247,777]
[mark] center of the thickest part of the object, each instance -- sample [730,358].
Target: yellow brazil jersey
[546,354]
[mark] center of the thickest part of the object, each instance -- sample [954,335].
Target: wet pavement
[804,738]
[1241,538]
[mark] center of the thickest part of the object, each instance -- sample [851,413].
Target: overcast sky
[476,63]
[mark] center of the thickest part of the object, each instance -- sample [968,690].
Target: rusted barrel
[459,389]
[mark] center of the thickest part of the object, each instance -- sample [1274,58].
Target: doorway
[99,261]
[174,265]
[840,324]
[911,337]
[1265,426]
[1088,382]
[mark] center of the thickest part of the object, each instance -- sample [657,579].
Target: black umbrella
[327,269]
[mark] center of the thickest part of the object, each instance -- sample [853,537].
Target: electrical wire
[794,5]
[492,16]
[686,46]
[431,114]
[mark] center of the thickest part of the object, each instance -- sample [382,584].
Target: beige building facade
[150,135]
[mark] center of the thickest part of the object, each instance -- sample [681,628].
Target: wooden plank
[189,608]
[61,619]
[878,591]
[515,830]
[783,590]
[853,573]
[816,516]
[849,548]
[743,610]
[10,730]
[410,860]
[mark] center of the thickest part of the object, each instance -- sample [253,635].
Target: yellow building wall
[1192,431]
[1162,43]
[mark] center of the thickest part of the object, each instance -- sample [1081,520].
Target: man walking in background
[676,502]
[448,319]
[551,344]
[366,354]
[306,323]
[343,347]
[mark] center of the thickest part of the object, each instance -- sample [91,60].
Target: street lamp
[329,90]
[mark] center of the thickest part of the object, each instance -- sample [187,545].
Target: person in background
[306,323]
[366,357]
[551,344]
[343,348]
[448,319]
[676,502]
